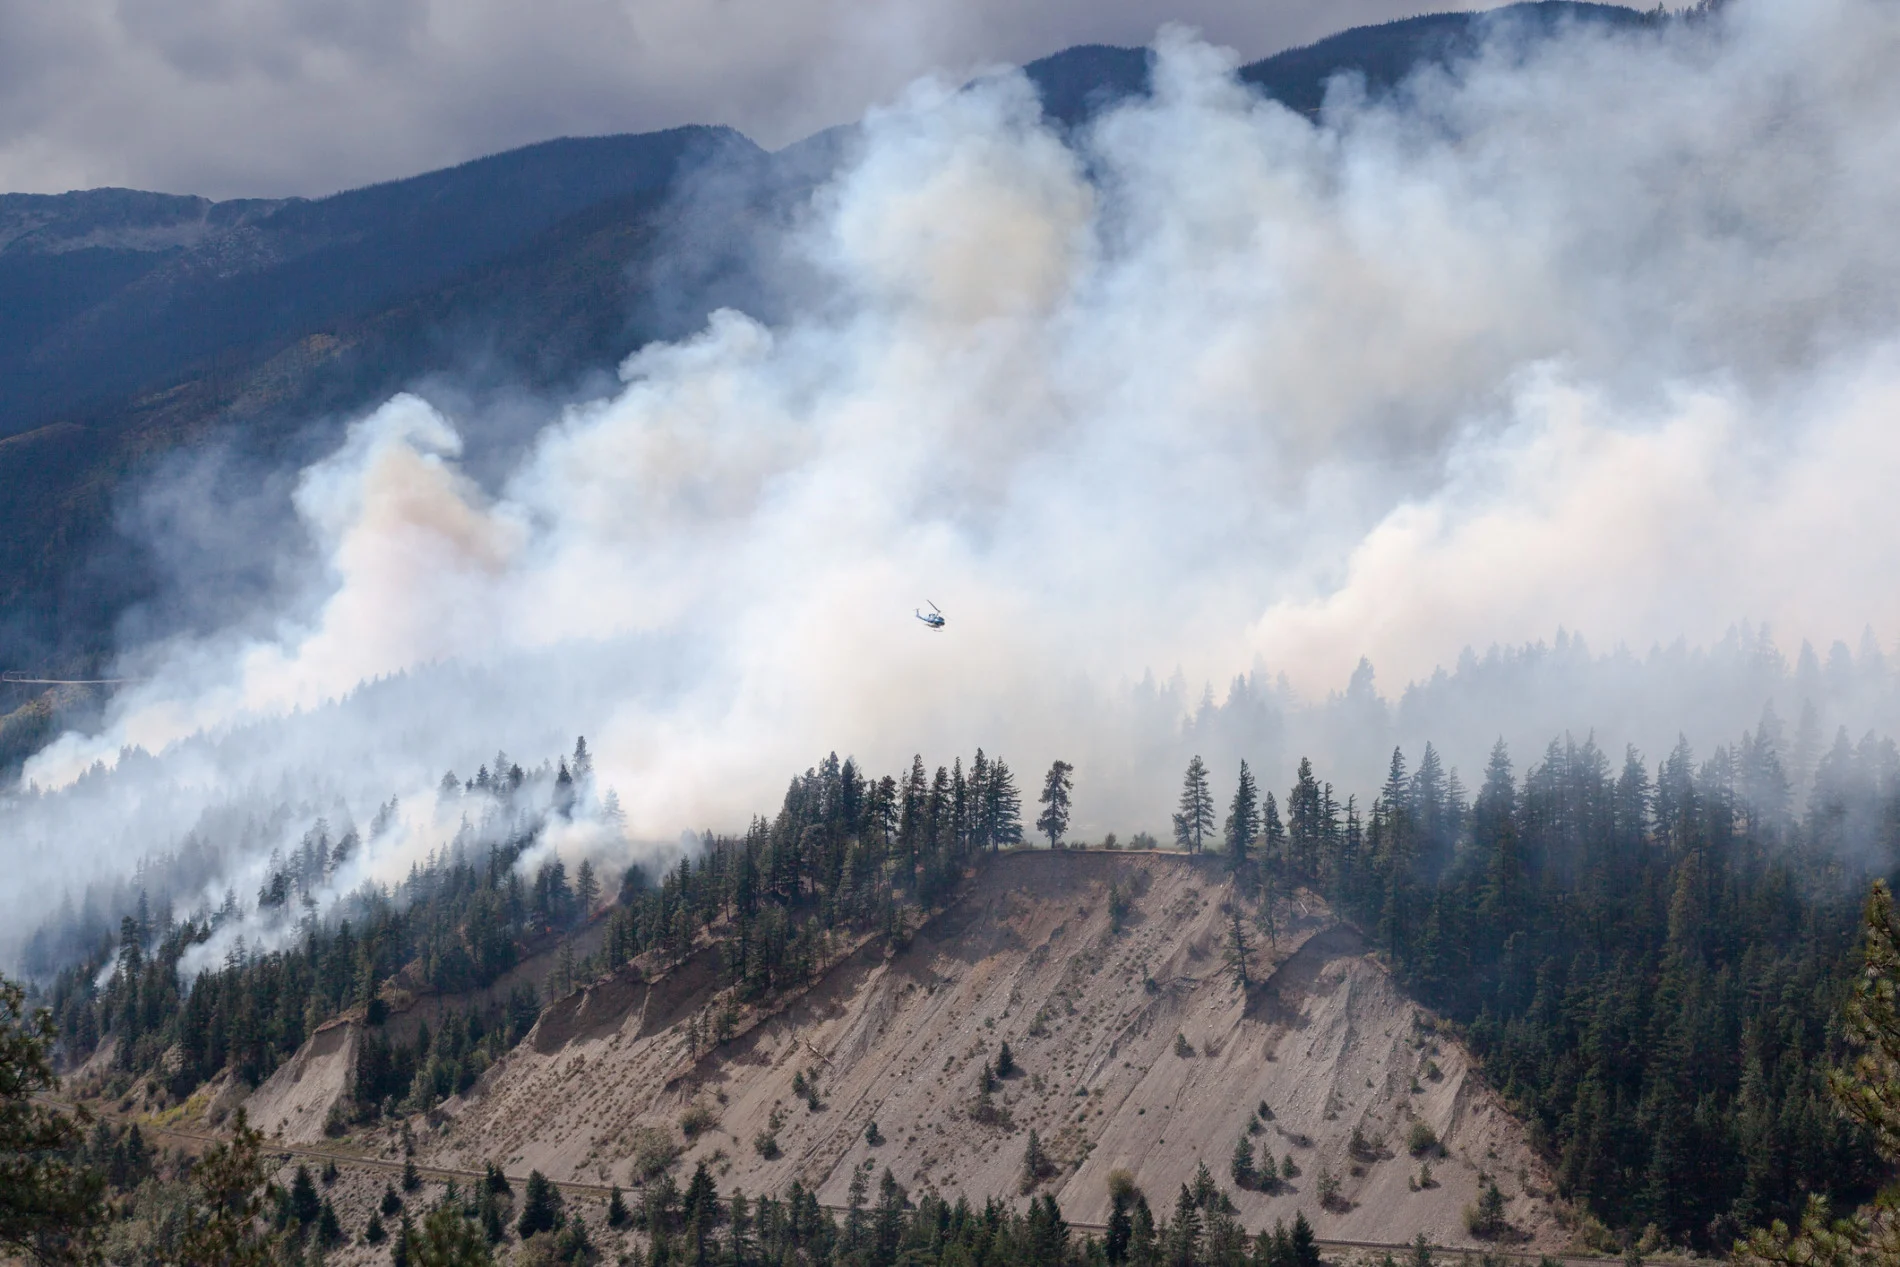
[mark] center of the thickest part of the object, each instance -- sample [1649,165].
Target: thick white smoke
[1601,334]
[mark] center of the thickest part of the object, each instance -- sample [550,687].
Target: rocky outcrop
[294,1103]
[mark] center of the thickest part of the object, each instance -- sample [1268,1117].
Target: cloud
[1601,336]
[233,98]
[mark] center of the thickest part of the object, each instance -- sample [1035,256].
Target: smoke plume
[1592,334]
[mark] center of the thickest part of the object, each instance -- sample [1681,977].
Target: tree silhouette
[1867,1091]
[1054,819]
[540,1207]
[1195,819]
[1239,950]
[228,1199]
[1243,819]
[49,1208]
[1242,1167]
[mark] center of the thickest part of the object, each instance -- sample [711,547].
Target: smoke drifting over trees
[1592,333]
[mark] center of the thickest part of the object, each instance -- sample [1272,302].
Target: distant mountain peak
[1078,82]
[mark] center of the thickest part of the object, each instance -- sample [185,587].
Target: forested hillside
[1651,966]
[845,852]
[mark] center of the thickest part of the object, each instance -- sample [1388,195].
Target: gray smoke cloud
[227,99]
[1598,336]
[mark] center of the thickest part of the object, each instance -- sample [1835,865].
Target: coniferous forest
[1651,966]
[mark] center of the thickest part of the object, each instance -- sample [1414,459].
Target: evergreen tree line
[457,922]
[1651,966]
[696,1227]
[844,853]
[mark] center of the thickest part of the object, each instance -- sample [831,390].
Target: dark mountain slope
[552,316]
[1080,81]
[249,287]
[511,270]
[1384,55]
[121,219]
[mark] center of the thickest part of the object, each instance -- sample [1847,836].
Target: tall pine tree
[1056,787]
[1194,821]
[1243,819]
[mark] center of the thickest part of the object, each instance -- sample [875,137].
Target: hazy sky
[270,97]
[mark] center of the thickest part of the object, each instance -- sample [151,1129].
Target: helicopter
[935,619]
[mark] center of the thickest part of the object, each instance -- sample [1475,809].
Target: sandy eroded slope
[1028,955]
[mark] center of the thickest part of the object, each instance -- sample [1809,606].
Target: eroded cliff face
[294,1103]
[1100,1021]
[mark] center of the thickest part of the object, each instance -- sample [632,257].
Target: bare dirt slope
[1092,1016]
[294,1102]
